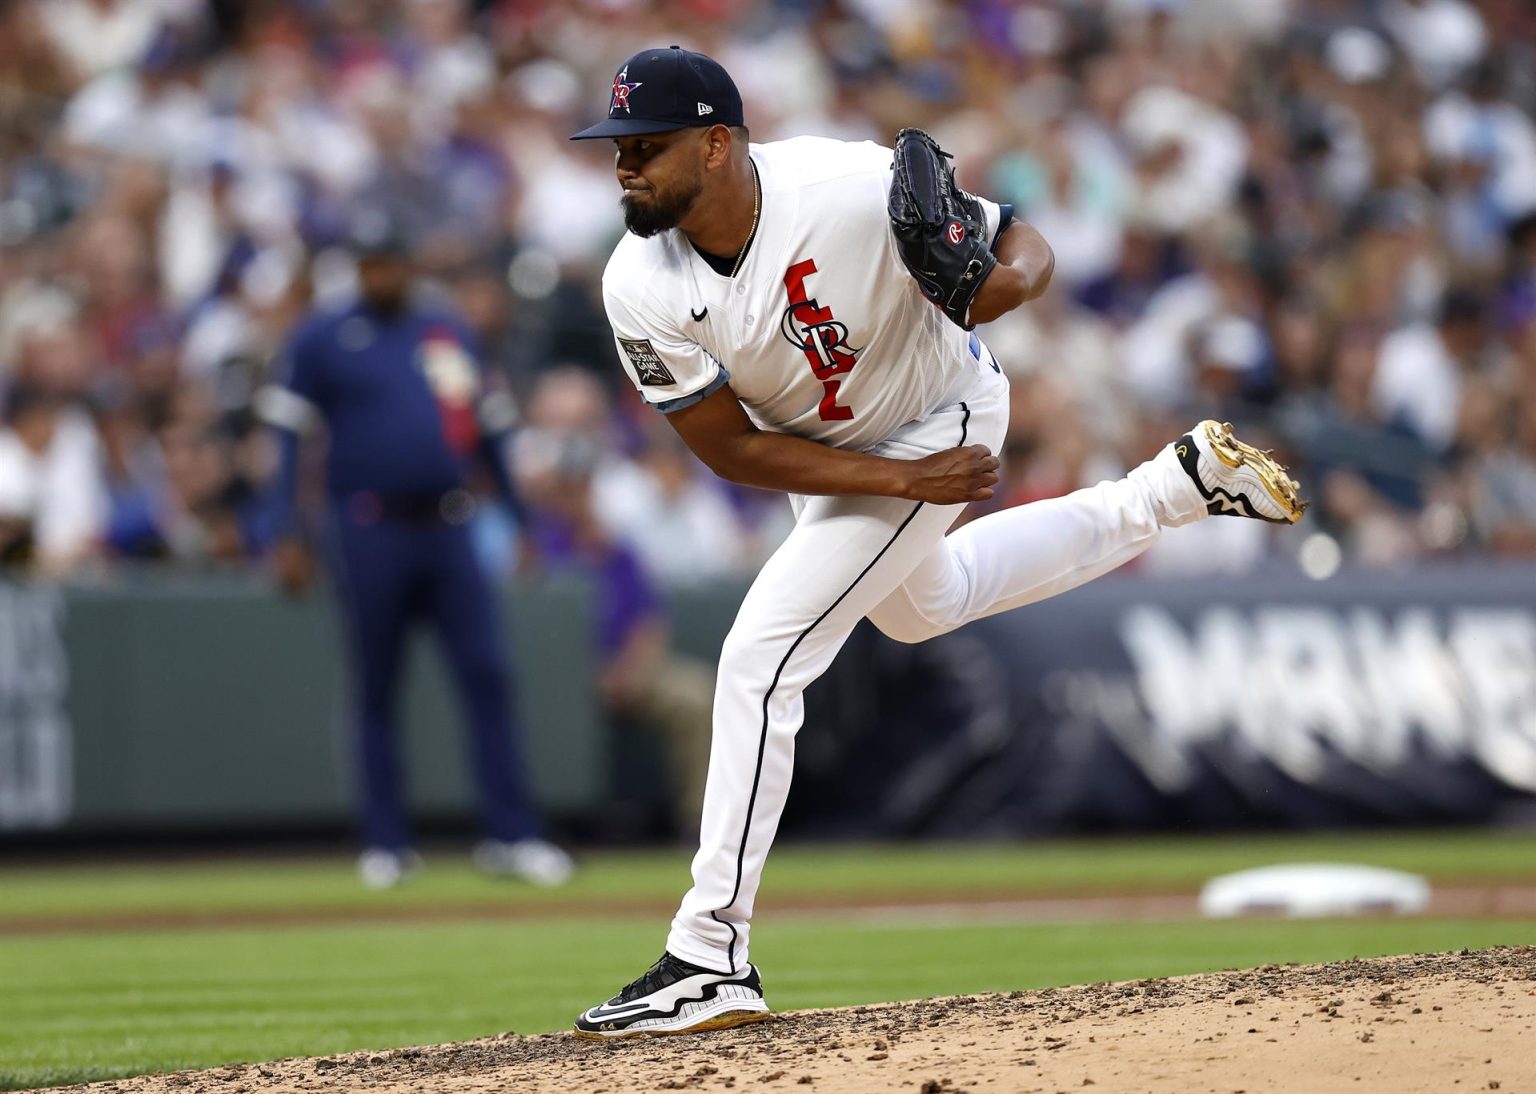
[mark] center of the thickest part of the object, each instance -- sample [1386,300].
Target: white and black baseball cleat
[1236,479]
[676,997]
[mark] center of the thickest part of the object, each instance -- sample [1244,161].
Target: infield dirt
[1435,1022]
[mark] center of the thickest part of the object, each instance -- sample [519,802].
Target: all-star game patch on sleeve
[669,371]
[643,360]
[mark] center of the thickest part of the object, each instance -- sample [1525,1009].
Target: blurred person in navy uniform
[399,389]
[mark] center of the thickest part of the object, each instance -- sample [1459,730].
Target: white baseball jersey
[825,335]
[822,333]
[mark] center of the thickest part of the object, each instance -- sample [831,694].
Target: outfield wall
[164,704]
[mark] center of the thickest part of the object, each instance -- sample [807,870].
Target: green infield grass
[80,1004]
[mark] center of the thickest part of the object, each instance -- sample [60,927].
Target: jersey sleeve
[671,372]
[290,404]
[292,401]
[999,216]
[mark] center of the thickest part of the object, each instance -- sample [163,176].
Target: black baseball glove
[941,231]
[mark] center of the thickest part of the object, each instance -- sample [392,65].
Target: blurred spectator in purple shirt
[642,679]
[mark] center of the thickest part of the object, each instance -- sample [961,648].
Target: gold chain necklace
[757,206]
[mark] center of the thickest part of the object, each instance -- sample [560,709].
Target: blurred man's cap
[374,233]
[659,90]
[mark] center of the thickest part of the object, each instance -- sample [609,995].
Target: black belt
[454,506]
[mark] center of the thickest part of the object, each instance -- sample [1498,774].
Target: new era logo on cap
[659,90]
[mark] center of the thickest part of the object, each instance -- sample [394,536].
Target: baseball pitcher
[802,312]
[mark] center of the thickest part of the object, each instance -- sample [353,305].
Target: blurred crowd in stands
[1315,218]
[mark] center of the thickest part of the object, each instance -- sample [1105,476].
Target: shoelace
[648,981]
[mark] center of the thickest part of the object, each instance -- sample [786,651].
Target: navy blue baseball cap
[373,232]
[658,90]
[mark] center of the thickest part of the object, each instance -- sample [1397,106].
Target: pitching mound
[1433,1022]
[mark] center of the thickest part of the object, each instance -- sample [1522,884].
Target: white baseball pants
[890,560]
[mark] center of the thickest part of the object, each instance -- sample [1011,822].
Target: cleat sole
[719,1021]
[1277,481]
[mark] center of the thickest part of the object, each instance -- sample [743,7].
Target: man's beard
[658,215]
[386,305]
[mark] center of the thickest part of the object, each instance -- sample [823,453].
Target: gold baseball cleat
[1236,479]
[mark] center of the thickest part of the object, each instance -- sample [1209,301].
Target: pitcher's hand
[953,476]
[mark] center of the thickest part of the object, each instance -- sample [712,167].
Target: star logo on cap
[621,91]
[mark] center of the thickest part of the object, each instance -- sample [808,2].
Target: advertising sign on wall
[36,767]
[1136,703]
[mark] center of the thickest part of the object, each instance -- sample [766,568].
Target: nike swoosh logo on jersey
[699,316]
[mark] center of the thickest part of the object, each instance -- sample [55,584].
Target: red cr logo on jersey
[812,330]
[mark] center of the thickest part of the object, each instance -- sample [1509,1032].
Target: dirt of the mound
[1436,1022]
